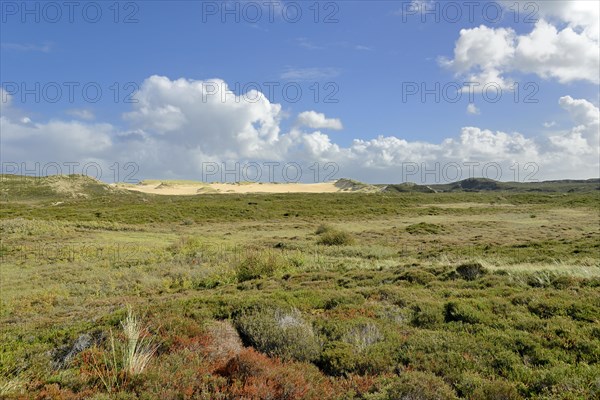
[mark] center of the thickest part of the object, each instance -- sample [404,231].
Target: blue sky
[363,58]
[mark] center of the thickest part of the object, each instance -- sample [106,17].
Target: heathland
[474,290]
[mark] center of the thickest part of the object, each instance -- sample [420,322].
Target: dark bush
[424,228]
[261,265]
[455,312]
[417,276]
[336,238]
[338,358]
[426,316]
[471,271]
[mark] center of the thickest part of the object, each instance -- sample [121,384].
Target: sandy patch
[188,189]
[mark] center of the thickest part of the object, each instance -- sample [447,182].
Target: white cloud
[315,120]
[580,15]
[585,136]
[308,74]
[567,54]
[81,114]
[177,125]
[45,48]
[307,44]
[208,116]
[564,55]
[549,124]
[472,109]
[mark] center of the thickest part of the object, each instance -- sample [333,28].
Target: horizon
[189,181]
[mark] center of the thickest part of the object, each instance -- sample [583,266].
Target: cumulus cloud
[178,125]
[472,109]
[580,15]
[315,120]
[208,116]
[567,54]
[584,137]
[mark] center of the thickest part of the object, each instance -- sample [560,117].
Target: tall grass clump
[140,347]
[127,355]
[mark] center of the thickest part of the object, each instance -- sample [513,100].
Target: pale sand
[175,189]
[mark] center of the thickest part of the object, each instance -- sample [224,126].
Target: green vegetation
[335,237]
[389,295]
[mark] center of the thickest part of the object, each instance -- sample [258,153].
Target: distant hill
[350,185]
[487,185]
[61,188]
[54,187]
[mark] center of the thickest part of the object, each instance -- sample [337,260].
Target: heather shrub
[417,276]
[471,271]
[461,312]
[252,375]
[335,237]
[427,316]
[424,228]
[416,385]
[261,265]
[279,333]
[355,346]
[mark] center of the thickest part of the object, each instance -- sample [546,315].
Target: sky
[379,91]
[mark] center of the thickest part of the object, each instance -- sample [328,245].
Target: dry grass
[135,351]
[140,347]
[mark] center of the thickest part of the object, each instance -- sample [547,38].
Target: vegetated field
[478,295]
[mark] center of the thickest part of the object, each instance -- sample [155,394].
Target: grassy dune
[475,295]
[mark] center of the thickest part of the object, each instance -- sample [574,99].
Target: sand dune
[193,188]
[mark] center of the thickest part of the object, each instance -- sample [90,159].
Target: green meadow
[399,294]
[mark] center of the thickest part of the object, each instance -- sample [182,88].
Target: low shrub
[424,228]
[471,271]
[545,308]
[338,358]
[496,390]
[460,312]
[279,333]
[252,375]
[416,385]
[427,316]
[335,237]
[262,265]
[417,276]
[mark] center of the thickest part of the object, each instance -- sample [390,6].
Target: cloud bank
[178,125]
